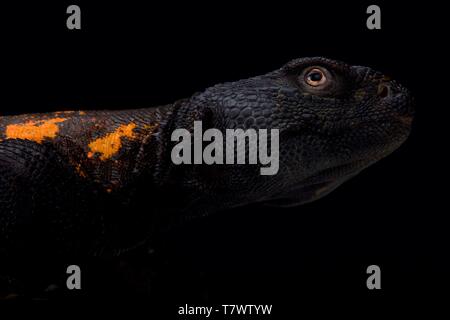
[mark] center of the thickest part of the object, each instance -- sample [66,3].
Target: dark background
[131,55]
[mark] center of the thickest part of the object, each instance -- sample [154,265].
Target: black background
[131,55]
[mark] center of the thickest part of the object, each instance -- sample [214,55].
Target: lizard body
[93,181]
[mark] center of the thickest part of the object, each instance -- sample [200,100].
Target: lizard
[101,182]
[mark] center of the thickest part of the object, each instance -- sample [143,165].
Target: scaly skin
[75,182]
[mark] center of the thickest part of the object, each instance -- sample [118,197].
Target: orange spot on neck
[110,144]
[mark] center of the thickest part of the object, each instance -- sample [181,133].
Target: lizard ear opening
[207,117]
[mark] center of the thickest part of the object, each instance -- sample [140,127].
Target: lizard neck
[153,156]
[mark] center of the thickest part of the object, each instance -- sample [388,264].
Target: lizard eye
[315,77]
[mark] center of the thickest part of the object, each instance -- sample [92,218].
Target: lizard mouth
[406,120]
[330,175]
[318,185]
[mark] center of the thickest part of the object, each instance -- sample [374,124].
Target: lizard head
[334,120]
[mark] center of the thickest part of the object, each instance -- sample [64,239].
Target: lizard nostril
[397,97]
[383,90]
